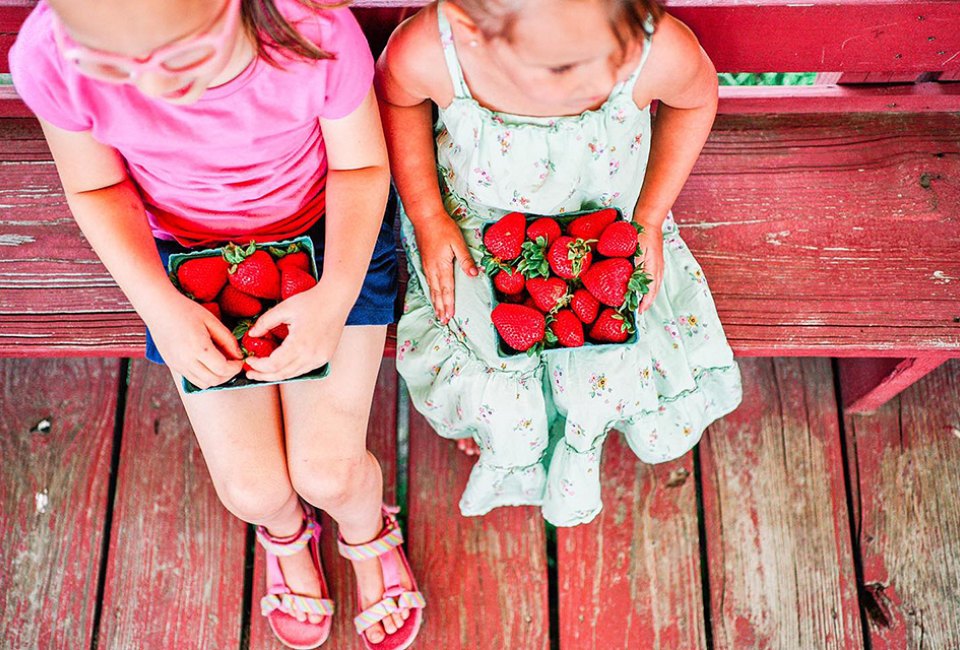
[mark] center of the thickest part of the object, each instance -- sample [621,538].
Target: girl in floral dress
[544,107]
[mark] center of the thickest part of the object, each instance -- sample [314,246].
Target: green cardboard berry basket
[240,380]
[504,351]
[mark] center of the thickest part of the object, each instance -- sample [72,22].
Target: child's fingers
[446,293]
[463,256]
[268,320]
[200,376]
[433,283]
[216,363]
[224,339]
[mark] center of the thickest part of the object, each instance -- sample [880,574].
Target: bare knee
[329,483]
[256,500]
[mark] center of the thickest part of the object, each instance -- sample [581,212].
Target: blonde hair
[630,20]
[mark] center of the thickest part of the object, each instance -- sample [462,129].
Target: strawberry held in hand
[203,277]
[520,327]
[253,271]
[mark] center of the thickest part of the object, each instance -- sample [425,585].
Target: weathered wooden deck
[789,527]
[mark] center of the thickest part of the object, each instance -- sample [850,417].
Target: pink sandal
[395,597]
[280,605]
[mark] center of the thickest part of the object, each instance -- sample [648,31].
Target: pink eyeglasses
[177,58]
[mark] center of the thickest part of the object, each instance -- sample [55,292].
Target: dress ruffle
[511,405]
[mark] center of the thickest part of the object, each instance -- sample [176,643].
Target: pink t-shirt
[246,159]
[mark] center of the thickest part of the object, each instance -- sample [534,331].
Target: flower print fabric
[540,421]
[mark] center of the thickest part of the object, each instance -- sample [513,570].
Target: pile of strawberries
[242,283]
[564,282]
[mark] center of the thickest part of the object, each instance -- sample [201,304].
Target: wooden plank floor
[789,527]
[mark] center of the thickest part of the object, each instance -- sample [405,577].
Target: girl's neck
[244,52]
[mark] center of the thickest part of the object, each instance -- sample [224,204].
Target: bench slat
[836,36]
[796,220]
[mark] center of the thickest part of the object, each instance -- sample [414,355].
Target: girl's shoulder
[413,60]
[677,70]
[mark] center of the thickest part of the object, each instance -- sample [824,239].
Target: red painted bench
[826,217]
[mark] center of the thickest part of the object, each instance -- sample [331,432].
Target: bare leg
[326,425]
[241,436]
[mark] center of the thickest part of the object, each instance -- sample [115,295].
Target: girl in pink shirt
[176,124]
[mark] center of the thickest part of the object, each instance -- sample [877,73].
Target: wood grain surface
[175,569]
[56,439]
[779,553]
[631,578]
[906,457]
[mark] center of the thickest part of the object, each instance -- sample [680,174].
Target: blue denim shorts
[378,303]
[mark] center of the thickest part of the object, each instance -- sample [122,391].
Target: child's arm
[358,181]
[405,72]
[683,78]
[109,211]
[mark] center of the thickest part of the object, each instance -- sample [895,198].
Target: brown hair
[629,19]
[276,37]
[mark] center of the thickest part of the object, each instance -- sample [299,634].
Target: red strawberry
[520,327]
[509,282]
[547,293]
[610,327]
[294,281]
[238,304]
[567,328]
[253,271]
[619,239]
[607,280]
[585,306]
[254,346]
[213,308]
[504,238]
[528,302]
[203,277]
[258,346]
[543,227]
[569,257]
[280,332]
[297,260]
[589,226]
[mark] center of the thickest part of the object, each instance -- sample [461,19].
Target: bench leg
[866,384]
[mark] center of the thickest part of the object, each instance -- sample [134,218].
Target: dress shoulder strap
[450,54]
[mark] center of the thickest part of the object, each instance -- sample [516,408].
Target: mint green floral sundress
[540,421]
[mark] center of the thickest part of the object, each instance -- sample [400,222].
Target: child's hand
[194,343]
[651,254]
[315,321]
[441,243]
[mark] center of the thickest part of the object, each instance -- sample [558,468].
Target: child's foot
[302,578]
[468,446]
[370,583]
